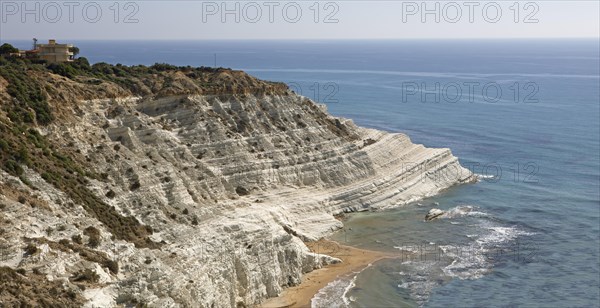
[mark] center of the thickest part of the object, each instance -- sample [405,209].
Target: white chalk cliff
[231,186]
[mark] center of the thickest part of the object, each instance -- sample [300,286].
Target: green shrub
[113,266]
[7,48]
[13,167]
[94,235]
[74,50]
[26,181]
[135,185]
[82,64]
[102,68]
[22,156]
[31,249]
[111,194]
[63,69]
[4,145]
[161,67]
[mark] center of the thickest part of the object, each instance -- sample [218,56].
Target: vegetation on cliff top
[29,104]
[31,96]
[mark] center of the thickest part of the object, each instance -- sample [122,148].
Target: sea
[524,115]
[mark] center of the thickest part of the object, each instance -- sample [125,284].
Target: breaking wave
[463,210]
[330,295]
[470,259]
[477,241]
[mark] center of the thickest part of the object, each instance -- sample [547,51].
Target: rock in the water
[433,214]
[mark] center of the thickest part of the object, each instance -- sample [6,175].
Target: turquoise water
[527,234]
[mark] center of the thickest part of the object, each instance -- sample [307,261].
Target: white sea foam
[480,177]
[419,280]
[475,260]
[471,257]
[463,210]
[349,287]
[330,295]
[470,260]
[409,248]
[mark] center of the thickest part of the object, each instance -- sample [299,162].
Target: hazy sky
[296,19]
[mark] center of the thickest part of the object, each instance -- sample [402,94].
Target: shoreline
[353,260]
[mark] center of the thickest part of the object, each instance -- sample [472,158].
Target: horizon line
[318,39]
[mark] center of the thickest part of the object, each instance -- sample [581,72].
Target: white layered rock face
[232,185]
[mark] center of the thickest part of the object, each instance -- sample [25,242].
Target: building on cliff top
[53,52]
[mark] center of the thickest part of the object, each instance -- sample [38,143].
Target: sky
[349,19]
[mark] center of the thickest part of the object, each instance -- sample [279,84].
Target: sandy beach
[353,260]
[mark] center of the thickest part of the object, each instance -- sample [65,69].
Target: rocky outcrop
[229,184]
[433,214]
